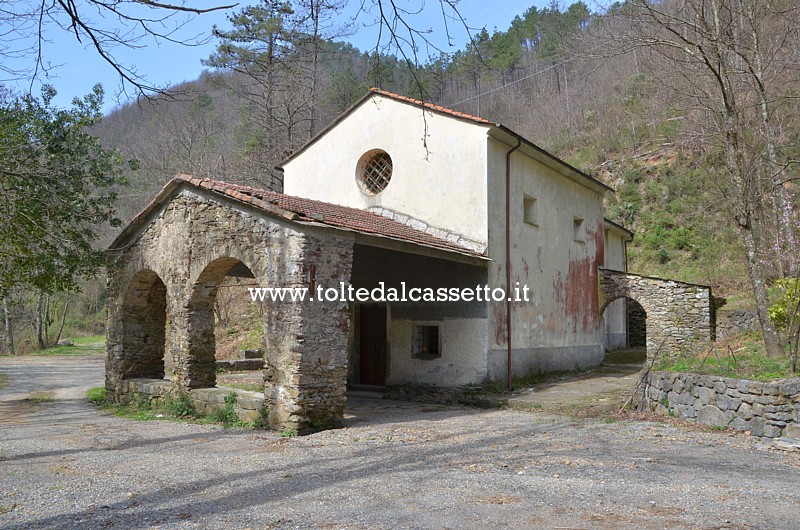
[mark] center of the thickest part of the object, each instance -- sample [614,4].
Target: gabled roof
[545,156]
[298,210]
[618,227]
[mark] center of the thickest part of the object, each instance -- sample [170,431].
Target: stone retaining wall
[248,408]
[239,365]
[769,410]
[735,321]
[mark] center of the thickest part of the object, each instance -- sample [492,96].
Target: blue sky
[76,68]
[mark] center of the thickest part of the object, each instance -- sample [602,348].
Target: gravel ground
[63,464]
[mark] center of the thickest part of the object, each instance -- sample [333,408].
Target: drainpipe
[508,256]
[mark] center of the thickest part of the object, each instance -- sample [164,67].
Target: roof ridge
[431,106]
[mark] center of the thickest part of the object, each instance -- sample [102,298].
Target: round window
[374,171]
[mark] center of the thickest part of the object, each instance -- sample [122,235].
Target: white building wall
[442,184]
[463,358]
[614,316]
[560,328]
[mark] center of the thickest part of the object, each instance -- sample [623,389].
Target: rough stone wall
[678,314]
[305,383]
[188,247]
[248,407]
[734,321]
[768,410]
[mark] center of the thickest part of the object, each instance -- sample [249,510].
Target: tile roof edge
[228,190]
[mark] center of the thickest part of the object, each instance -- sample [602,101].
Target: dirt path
[396,465]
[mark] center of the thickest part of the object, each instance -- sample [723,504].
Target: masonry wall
[769,410]
[439,174]
[561,327]
[614,316]
[248,407]
[731,322]
[678,314]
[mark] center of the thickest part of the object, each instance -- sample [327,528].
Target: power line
[552,67]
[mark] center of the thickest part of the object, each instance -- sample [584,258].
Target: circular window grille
[375,171]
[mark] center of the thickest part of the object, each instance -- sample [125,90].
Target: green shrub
[179,405]
[97,395]
[227,414]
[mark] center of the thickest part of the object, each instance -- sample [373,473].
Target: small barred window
[426,342]
[375,171]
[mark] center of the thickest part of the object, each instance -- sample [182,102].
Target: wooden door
[372,345]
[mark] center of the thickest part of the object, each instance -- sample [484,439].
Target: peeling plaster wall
[560,328]
[463,325]
[452,166]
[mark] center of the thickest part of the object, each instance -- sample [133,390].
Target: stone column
[136,329]
[305,372]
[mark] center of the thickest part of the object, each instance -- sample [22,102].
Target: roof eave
[550,160]
[174,186]
[619,228]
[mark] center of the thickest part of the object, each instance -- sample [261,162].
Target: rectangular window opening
[426,341]
[529,212]
[579,232]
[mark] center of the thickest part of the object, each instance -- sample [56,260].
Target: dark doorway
[372,345]
[637,324]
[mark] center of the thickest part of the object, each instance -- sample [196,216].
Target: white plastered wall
[560,328]
[443,184]
[614,315]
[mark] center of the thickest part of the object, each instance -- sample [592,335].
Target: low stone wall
[205,400]
[239,365]
[770,410]
[734,321]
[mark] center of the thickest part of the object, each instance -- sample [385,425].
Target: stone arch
[653,338]
[678,313]
[143,316]
[196,367]
[625,322]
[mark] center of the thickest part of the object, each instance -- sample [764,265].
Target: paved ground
[604,389]
[64,464]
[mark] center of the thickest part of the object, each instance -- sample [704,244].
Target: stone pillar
[136,329]
[193,348]
[305,373]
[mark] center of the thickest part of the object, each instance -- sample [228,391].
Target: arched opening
[222,319]
[637,325]
[144,325]
[625,322]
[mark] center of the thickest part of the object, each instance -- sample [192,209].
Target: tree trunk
[40,321]
[9,328]
[48,319]
[754,269]
[63,319]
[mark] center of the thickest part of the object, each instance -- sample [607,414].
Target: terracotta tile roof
[333,215]
[431,106]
